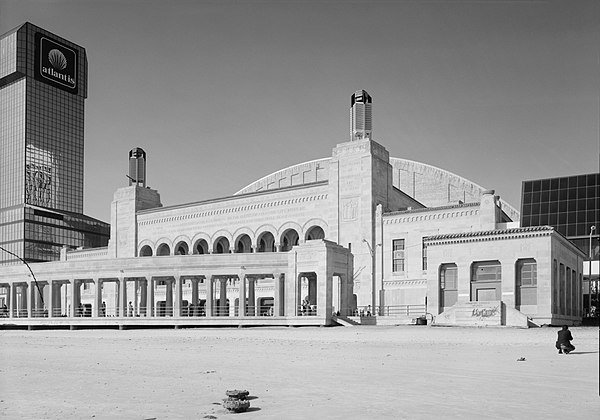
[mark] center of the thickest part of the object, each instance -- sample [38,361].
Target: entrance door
[486,281]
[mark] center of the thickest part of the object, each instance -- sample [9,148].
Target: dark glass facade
[43,86]
[569,204]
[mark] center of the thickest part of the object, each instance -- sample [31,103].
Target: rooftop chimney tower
[137,167]
[360,115]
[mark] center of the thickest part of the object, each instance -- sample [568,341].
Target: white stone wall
[410,287]
[297,208]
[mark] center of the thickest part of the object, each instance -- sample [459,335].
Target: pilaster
[242,296]
[97,298]
[210,295]
[178,296]
[51,302]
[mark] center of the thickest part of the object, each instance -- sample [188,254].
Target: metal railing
[400,310]
[307,310]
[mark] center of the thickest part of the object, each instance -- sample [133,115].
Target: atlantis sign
[55,63]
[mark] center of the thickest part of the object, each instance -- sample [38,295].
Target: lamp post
[31,271]
[381,291]
[592,229]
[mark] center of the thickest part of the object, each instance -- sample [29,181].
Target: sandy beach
[409,372]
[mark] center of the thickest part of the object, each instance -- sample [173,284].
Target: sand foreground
[408,372]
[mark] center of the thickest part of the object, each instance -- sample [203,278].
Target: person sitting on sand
[563,344]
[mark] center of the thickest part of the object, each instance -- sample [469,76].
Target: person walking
[563,344]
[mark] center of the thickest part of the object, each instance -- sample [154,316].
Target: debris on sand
[521,359]
[236,401]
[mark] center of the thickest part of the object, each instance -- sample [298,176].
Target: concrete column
[251,297]
[57,304]
[144,298]
[117,295]
[136,301]
[30,299]
[178,296]
[242,296]
[209,296]
[343,296]
[51,299]
[97,299]
[122,297]
[195,292]
[10,299]
[508,282]
[169,297]
[150,296]
[73,301]
[232,307]
[323,286]
[464,282]
[223,298]
[278,295]
[39,300]
[297,295]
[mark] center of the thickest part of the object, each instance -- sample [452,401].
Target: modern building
[321,242]
[43,87]
[572,206]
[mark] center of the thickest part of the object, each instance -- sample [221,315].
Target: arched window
[266,243]
[243,244]
[146,251]
[289,239]
[201,247]
[181,248]
[315,232]
[221,246]
[526,283]
[163,250]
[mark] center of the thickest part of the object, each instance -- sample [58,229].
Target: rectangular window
[398,255]
[526,293]
[424,254]
[528,274]
[487,271]
[554,288]
[561,290]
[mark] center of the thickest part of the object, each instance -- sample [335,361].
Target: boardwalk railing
[401,310]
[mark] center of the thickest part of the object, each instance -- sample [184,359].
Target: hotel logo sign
[55,63]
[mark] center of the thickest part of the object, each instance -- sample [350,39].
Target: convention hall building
[357,237]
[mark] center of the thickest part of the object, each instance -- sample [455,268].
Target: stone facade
[356,233]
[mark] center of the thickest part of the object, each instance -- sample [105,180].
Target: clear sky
[221,93]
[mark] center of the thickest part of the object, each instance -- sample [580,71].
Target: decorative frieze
[238,209]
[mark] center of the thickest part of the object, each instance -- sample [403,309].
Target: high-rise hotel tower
[360,115]
[43,86]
